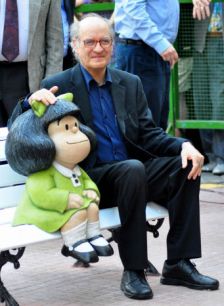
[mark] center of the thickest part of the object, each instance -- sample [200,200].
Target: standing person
[146,31]
[208,78]
[31,49]
[135,161]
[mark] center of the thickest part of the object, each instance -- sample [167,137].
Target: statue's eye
[67,127]
[76,124]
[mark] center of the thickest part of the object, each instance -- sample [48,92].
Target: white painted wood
[3,136]
[9,177]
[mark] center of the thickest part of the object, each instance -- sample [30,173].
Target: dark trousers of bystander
[154,72]
[13,86]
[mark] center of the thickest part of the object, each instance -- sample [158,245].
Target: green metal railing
[175,120]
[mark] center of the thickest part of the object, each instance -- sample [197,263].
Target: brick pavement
[48,279]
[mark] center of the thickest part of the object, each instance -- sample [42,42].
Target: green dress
[45,199]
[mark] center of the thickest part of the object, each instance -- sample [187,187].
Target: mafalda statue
[47,144]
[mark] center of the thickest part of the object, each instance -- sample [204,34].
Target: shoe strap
[95,237]
[79,242]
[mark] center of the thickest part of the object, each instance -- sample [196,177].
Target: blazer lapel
[34,10]
[81,97]
[118,95]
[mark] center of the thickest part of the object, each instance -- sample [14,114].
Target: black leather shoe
[135,286]
[184,273]
[106,250]
[85,257]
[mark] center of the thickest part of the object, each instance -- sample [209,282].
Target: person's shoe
[101,246]
[85,257]
[209,167]
[219,169]
[184,273]
[135,286]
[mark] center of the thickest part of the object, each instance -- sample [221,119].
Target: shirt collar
[66,171]
[89,79]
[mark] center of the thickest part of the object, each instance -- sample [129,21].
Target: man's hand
[44,95]
[170,55]
[91,194]
[201,9]
[74,201]
[189,152]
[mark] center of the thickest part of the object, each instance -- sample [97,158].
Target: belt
[6,63]
[215,34]
[127,41]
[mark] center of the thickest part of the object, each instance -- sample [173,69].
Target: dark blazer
[143,140]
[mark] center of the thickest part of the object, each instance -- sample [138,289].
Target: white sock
[76,234]
[93,229]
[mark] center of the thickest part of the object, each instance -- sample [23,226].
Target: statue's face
[72,146]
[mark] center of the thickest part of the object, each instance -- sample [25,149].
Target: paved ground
[48,279]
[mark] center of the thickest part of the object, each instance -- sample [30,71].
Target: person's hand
[91,194]
[74,201]
[189,152]
[201,9]
[44,95]
[170,55]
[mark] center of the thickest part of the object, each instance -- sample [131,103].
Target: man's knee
[135,171]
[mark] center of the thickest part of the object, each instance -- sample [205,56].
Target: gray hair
[75,29]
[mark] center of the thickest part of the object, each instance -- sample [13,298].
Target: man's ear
[67,97]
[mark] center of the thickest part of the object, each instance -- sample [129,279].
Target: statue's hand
[91,194]
[74,201]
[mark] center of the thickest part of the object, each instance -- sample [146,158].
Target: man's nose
[98,47]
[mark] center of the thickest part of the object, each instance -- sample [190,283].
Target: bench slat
[19,236]
[10,196]
[9,177]
[23,235]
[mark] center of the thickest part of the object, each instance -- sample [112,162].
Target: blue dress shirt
[153,21]
[110,146]
[65,25]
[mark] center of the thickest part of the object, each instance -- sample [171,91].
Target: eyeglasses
[91,43]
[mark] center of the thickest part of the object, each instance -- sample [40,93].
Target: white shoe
[219,169]
[209,167]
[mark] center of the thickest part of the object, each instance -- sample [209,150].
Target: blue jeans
[154,73]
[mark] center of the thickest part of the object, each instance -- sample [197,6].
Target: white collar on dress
[66,171]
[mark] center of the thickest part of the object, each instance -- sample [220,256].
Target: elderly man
[134,161]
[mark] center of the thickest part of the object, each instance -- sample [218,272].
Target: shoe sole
[137,297]
[178,282]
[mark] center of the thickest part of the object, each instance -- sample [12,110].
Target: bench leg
[5,257]
[153,228]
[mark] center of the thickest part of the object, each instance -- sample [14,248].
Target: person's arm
[159,143]
[148,31]
[44,95]
[54,39]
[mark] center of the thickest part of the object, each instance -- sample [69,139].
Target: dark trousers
[130,184]
[13,86]
[154,73]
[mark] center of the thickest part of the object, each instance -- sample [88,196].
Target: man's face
[94,46]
